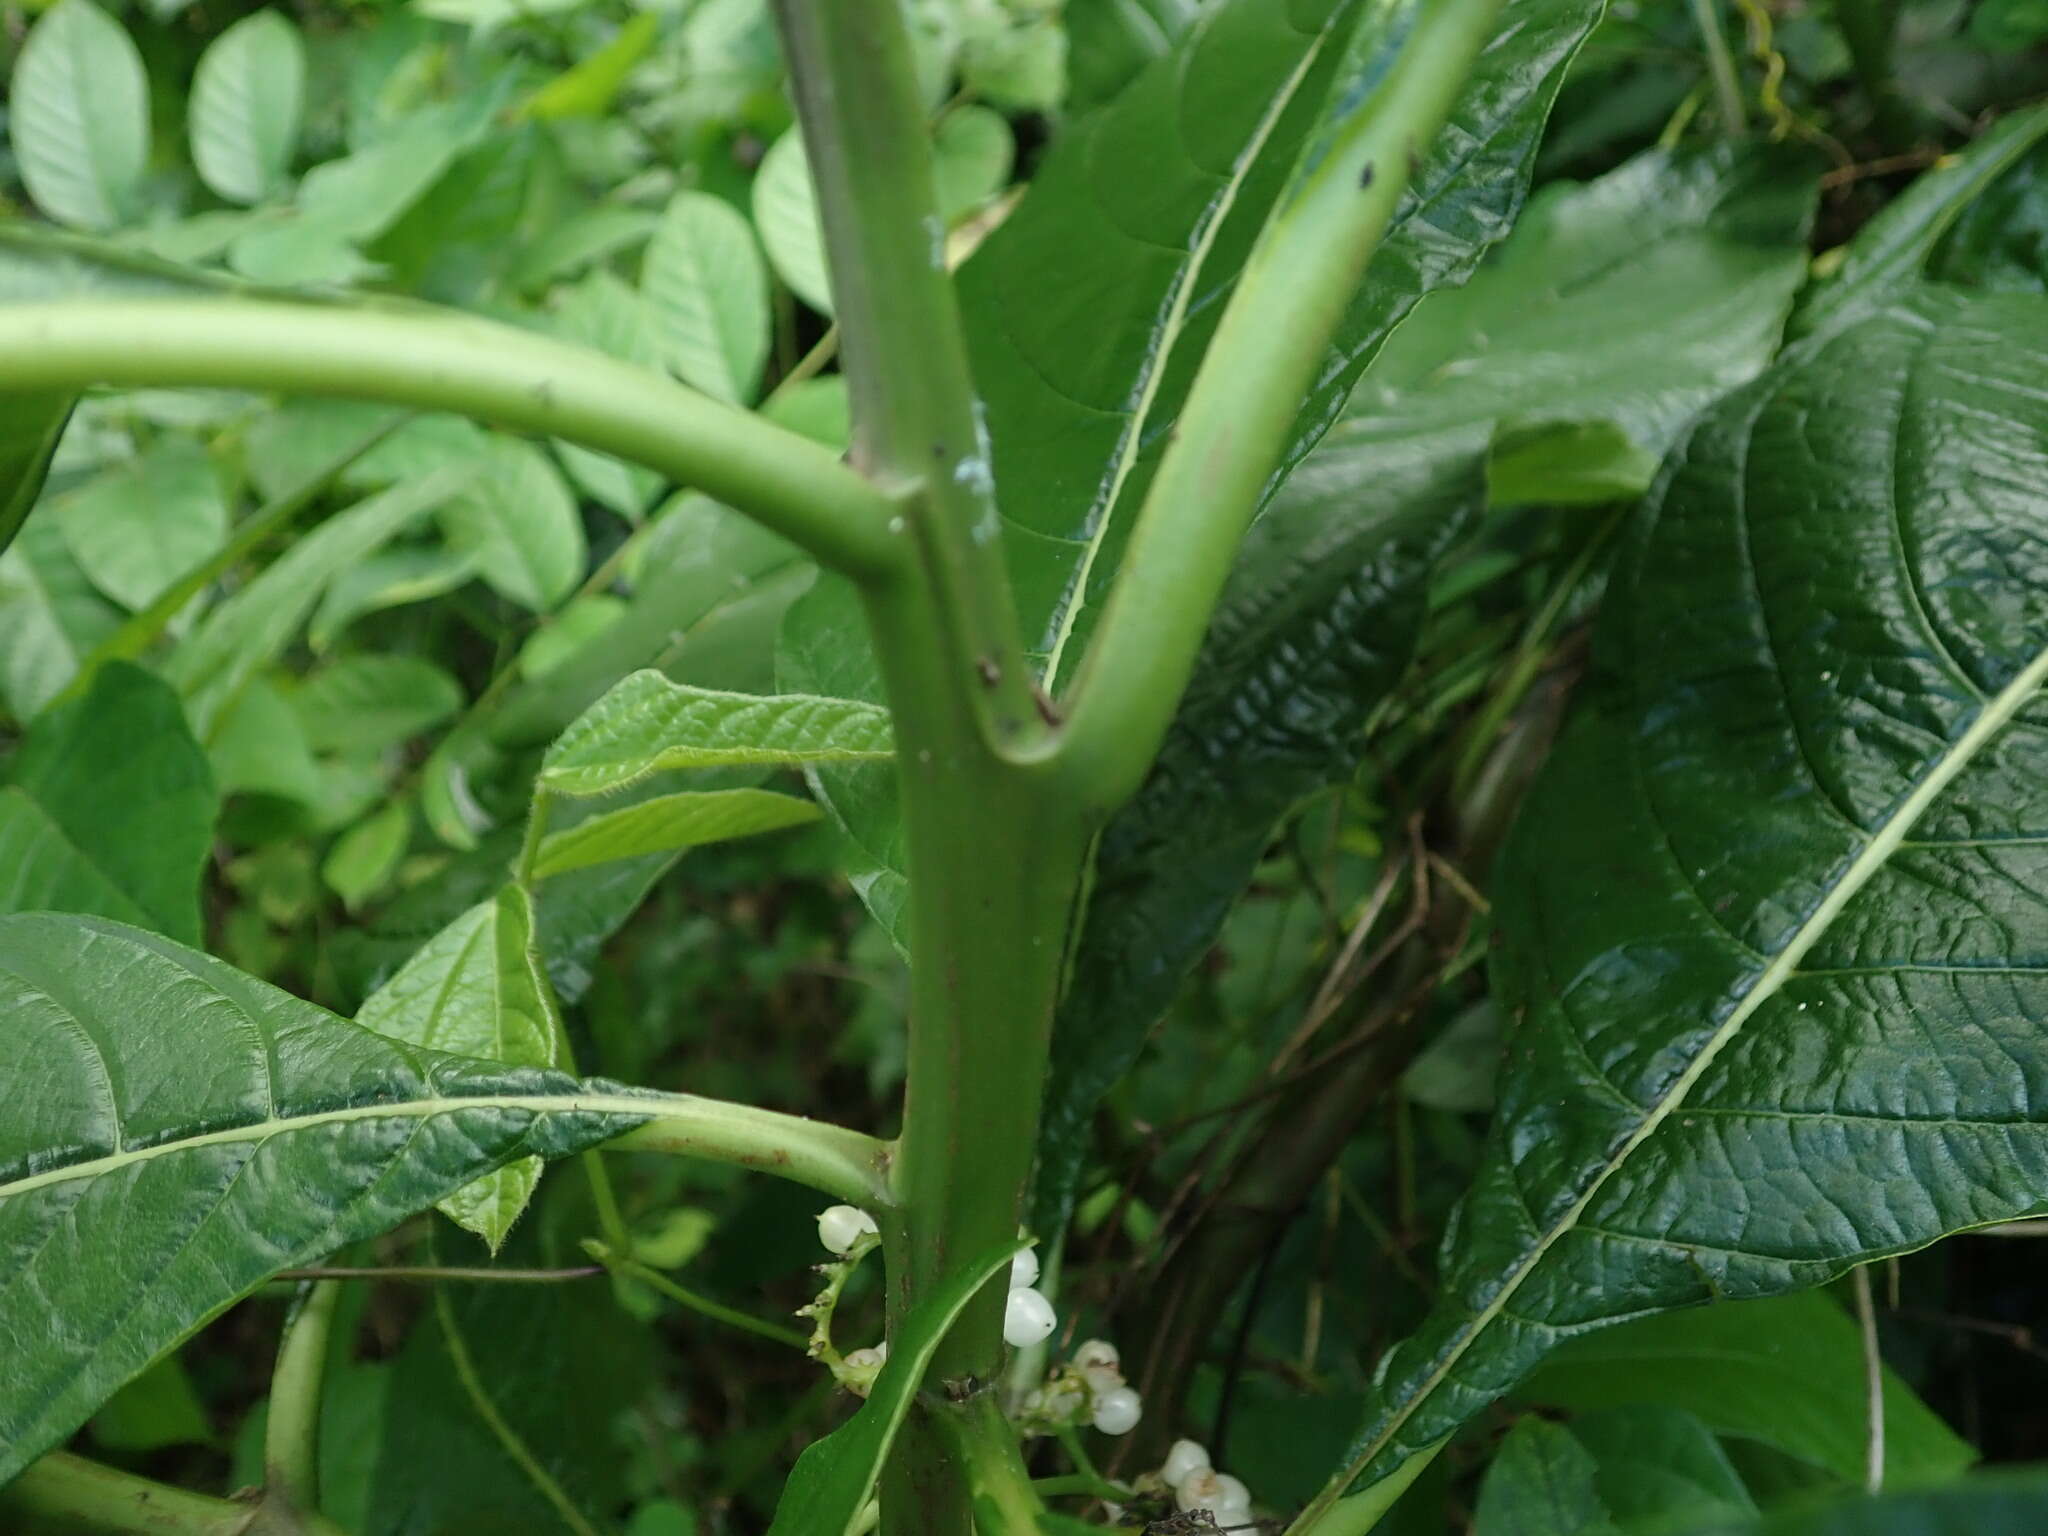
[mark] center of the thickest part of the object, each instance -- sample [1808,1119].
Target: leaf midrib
[1996,714]
[403,1109]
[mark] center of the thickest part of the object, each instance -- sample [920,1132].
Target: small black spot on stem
[1365,176]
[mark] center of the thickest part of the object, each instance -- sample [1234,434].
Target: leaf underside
[1772,916]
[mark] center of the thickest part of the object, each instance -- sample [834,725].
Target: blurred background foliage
[360,718]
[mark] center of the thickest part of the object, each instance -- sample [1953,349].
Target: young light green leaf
[136,528]
[391,578]
[78,115]
[248,96]
[588,87]
[258,747]
[249,630]
[574,627]
[786,214]
[1786,1372]
[364,858]
[670,823]
[117,771]
[1752,1059]
[704,282]
[192,1131]
[833,1478]
[520,521]
[363,704]
[477,989]
[648,723]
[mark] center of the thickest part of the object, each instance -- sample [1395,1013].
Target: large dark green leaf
[177,1131]
[1089,308]
[119,779]
[1317,626]
[2001,239]
[1772,917]
[2011,1503]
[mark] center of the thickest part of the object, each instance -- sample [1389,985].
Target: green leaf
[360,197]
[250,630]
[2006,1503]
[1661,1468]
[50,618]
[363,704]
[1575,322]
[477,989]
[29,433]
[1787,1372]
[672,822]
[192,1131]
[520,522]
[1315,629]
[366,856]
[248,96]
[136,528]
[1088,308]
[117,772]
[1885,259]
[158,1408]
[259,747]
[391,578]
[78,116]
[973,151]
[1768,914]
[834,1476]
[704,282]
[1541,1484]
[574,627]
[648,724]
[588,87]
[786,214]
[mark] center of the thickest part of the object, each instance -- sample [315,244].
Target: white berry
[864,1359]
[1024,1268]
[1117,1411]
[841,1226]
[1028,1318]
[1185,1457]
[1096,1354]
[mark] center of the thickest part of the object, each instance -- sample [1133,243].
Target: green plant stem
[916,420]
[845,1164]
[1005,1502]
[291,1431]
[449,362]
[430,1274]
[70,1492]
[718,1312]
[1241,410]
[1706,16]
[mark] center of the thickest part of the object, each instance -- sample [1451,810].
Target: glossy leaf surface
[180,1131]
[1317,626]
[648,724]
[1771,916]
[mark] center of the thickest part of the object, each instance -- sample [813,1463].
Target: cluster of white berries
[1091,1389]
[1197,1485]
